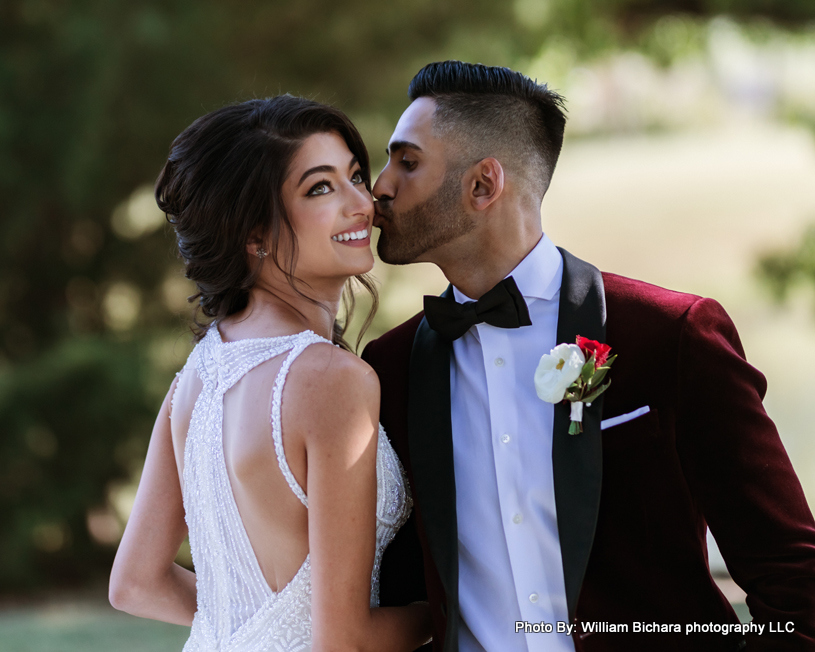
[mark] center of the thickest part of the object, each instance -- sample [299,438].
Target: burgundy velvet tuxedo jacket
[632,501]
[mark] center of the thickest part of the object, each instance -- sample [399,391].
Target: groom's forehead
[415,126]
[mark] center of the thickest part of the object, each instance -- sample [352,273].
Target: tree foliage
[785,269]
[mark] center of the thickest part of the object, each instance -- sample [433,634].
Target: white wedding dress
[237,611]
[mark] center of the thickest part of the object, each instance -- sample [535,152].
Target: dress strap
[174,386]
[305,340]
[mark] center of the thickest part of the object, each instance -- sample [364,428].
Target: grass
[85,627]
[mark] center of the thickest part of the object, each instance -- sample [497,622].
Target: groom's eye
[409,165]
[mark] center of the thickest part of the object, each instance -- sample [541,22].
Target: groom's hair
[487,111]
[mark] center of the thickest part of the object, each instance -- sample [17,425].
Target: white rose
[557,370]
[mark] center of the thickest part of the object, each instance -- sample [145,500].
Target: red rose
[590,347]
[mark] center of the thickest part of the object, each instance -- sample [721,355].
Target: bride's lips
[362,228]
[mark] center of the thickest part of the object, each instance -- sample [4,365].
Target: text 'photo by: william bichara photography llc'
[572,629]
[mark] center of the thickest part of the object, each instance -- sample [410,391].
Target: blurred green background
[689,162]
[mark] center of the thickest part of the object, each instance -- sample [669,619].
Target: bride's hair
[221,185]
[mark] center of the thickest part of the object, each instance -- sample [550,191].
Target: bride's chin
[364,265]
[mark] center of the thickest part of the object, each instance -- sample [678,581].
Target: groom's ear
[485,183]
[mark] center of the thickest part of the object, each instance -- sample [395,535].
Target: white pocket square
[616,421]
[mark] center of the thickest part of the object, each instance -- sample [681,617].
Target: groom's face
[419,207]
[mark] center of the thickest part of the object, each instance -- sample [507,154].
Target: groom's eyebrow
[324,168]
[396,145]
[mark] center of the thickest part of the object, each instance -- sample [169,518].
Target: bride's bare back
[276,522]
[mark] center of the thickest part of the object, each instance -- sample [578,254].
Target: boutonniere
[574,373]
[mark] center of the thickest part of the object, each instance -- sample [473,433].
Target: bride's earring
[261,253]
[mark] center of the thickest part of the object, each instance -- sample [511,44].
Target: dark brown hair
[222,184]
[488,110]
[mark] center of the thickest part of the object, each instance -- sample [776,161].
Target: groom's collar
[537,276]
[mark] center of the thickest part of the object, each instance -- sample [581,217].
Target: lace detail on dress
[175,387]
[237,610]
[393,504]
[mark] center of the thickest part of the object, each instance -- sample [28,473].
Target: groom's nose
[384,188]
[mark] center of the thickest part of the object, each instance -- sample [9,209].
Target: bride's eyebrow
[324,168]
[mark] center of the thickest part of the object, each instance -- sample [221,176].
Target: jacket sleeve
[742,480]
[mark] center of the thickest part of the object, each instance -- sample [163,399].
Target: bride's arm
[338,414]
[144,580]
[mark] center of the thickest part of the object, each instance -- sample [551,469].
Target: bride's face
[330,210]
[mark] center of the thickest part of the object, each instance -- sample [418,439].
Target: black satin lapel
[577,460]
[430,439]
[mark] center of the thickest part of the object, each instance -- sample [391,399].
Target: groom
[522,527]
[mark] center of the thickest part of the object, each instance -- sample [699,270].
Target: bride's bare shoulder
[328,387]
[325,368]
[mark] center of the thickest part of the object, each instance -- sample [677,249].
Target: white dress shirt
[510,566]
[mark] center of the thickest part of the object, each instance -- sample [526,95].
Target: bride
[267,448]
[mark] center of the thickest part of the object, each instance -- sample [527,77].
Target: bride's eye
[357,178]
[321,188]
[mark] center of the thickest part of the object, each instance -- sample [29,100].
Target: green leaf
[588,369]
[610,361]
[590,398]
[598,376]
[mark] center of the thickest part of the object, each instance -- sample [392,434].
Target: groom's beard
[435,222]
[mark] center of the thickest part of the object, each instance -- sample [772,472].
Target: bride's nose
[360,201]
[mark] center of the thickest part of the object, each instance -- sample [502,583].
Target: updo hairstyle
[222,184]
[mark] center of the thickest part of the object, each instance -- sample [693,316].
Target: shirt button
[499,362]
[533,598]
[505,438]
[518,518]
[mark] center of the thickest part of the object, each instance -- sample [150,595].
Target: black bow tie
[503,306]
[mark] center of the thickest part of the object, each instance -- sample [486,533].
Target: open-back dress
[237,610]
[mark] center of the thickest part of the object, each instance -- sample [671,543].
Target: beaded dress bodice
[237,610]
